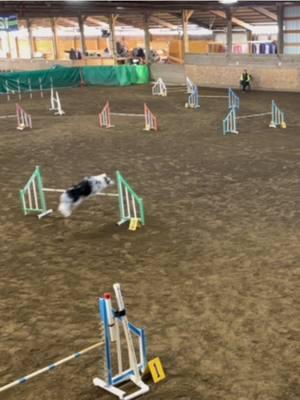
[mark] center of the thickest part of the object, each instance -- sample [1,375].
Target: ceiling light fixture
[228,1]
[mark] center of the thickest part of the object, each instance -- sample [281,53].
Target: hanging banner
[9,23]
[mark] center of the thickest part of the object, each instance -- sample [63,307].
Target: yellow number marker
[134,224]
[156,370]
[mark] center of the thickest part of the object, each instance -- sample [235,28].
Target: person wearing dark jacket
[72,54]
[245,80]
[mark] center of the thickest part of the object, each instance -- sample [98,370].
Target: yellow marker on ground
[156,370]
[134,224]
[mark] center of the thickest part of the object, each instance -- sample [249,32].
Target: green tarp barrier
[123,75]
[60,76]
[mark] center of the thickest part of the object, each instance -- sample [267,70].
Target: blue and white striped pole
[50,367]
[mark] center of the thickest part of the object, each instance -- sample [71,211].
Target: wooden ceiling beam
[162,22]
[67,21]
[266,13]
[96,21]
[193,19]
[235,20]
[126,21]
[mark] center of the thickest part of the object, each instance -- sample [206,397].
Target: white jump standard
[112,321]
[151,122]
[229,123]
[193,99]
[105,117]
[278,119]
[23,119]
[32,196]
[55,103]
[159,88]
[189,85]
[233,100]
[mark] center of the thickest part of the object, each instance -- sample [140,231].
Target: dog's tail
[65,205]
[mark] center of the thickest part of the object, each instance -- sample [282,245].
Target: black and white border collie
[74,196]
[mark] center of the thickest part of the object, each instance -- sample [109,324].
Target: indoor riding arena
[192,109]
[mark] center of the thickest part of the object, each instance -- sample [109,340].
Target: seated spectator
[78,54]
[106,53]
[245,80]
[121,50]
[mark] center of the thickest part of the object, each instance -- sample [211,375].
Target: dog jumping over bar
[74,196]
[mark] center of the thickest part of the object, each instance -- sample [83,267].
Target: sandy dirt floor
[213,276]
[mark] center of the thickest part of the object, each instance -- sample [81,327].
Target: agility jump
[230,122]
[55,103]
[111,322]
[131,206]
[104,117]
[233,100]
[159,88]
[193,99]
[27,87]
[17,90]
[278,118]
[23,118]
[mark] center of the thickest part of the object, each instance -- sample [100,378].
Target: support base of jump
[120,393]
[45,214]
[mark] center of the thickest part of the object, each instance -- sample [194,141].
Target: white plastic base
[21,127]
[122,221]
[44,214]
[231,132]
[143,388]
[60,113]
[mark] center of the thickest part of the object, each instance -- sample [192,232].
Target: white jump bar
[128,115]
[62,190]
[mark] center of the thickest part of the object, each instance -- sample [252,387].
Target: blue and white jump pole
[50,367]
